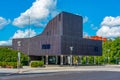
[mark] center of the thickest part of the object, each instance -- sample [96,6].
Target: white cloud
[19,34]
[94,27]
[111,21]
[54,13]
[3,22]
[110,27]
[5,43]
[38,12]
[85,34]
[85,19]
[24,34]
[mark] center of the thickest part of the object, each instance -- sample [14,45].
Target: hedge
[8,64]
[9,55]
[36,63]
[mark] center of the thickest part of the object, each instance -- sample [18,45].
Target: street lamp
[71,49]
[29,39]
[105,60]
[94,60]
[116,60]
[19,44]
[108,55]
[87,60]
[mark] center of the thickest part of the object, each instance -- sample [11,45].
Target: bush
[3,64]
[36,63]
[41,63]
[9,55]
[8,64]
[0,63]
[12,64]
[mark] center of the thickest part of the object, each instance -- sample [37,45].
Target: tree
[9,55]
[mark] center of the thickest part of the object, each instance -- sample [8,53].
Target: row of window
[48,46]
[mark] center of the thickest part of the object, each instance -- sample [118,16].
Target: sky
[100,17]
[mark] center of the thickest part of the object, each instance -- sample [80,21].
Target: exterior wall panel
[34,46]
[84,47]
[61,32]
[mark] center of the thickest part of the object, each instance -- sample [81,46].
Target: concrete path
[27,69]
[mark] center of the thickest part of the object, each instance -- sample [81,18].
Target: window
[48,33]
[96,49]
[46,46]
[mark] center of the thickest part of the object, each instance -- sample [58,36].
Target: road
[69,75]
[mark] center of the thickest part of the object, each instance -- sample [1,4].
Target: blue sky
[101,17]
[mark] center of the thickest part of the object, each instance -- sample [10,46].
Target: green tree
[110,53]
[9,55]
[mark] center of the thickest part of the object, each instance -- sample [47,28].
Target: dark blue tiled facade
[62,32]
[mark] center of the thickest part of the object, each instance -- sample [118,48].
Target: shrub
[8,64]
[41,63]
[36,63]
[0,63]
[3,64]
[24,62]
[9,55]
[12,64]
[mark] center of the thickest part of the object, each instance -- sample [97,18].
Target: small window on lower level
[46,46]
[96,49]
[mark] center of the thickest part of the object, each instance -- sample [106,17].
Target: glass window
[96,49]
[46,46]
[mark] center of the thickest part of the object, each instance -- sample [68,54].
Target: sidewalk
[27,69]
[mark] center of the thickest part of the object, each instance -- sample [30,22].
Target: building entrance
[53,60]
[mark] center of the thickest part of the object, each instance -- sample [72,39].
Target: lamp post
[105,60]
[108,55]
[94,60]
[87,60]
[29,39]
[71,49]
[116,60]
[18,63]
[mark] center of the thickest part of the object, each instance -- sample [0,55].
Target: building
[62,38]
[96,38]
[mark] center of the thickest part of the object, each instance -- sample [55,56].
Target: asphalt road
[77,75]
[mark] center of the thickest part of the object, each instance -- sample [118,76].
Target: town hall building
[61,39]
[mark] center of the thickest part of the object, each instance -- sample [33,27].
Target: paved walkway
[27,69]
